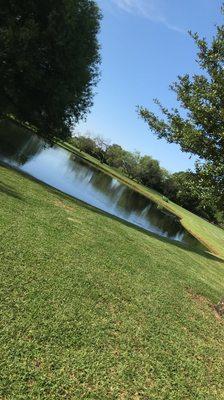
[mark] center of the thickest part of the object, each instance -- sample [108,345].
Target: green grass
[210,235]
[92,308]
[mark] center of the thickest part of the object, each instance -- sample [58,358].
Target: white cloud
[145,8]
[141,7]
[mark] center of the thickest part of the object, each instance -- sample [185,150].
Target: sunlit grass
[92,308]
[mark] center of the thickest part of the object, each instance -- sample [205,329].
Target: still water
[71,174]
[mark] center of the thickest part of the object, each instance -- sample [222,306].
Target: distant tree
[114,156]
[169,185]
[102,145]
[49,56]
[195,196]
[200,129]
[150,174]
[86,144]
[131,164]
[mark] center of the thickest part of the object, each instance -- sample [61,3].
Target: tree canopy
[198,124]
[49,57]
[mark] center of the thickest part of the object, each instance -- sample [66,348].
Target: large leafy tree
[199,130]
[49,56]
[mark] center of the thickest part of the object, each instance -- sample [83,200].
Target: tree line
[181,187]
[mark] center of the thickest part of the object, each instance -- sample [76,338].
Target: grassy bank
[95,309]
[210,235]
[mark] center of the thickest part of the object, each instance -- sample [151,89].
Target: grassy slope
[95,309]
[210,235]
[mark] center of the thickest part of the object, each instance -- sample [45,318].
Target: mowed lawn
[92,308]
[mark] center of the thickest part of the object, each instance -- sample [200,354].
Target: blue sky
[144,46]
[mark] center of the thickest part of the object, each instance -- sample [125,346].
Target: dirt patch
[203,302]
[197,297]
[217,315]
[219,308]
[60,204]
[37,363]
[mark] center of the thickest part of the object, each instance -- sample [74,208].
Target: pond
[71,174]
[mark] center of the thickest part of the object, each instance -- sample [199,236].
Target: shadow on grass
[204,253]
[9,191]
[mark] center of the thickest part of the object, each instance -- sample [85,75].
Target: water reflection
[17,144]
[74,176]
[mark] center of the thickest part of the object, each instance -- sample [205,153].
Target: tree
[200,129]
[114,156]
[85,143]
[199,199]
[150,174]
[49,56]
[102,145]
[131,164]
